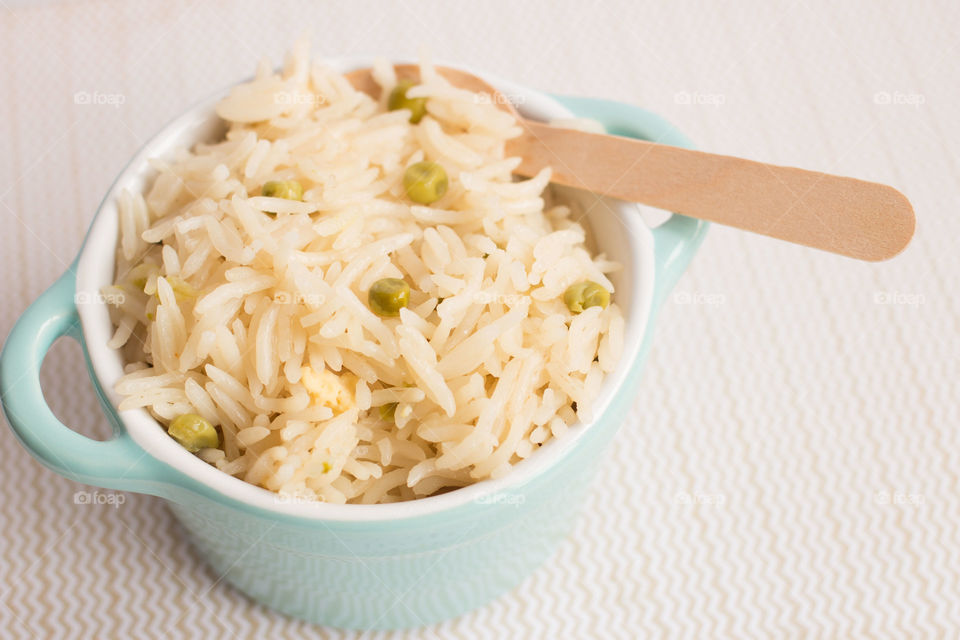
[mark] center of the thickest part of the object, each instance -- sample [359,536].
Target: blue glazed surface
[363,575]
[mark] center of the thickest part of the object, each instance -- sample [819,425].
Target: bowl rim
[106,365]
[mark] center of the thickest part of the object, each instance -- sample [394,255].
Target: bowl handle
[674,244]
[677,240]
[117,463]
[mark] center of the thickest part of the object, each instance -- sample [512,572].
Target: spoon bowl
[855,218]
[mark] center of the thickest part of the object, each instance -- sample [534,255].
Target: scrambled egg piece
[329,389]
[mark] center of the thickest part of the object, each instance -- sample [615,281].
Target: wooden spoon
[851,217]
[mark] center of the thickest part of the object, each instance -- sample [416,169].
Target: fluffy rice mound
[252,311]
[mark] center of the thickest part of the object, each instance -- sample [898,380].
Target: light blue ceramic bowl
[350,566]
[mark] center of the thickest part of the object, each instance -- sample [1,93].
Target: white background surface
[790,467]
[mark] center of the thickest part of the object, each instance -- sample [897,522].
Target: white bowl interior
[616,229]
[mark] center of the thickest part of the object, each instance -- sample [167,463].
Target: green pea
[193,432]
[584,295]
[141,273]
[286,189]
[398,100]
[387,411]
[425,182]
[388,296]
[182,290]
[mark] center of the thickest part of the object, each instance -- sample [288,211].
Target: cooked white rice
[259,322]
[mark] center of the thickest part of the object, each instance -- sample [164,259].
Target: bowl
[351,566]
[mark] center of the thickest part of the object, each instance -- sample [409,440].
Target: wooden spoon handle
[851,217]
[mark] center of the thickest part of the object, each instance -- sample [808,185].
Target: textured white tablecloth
[790,466]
